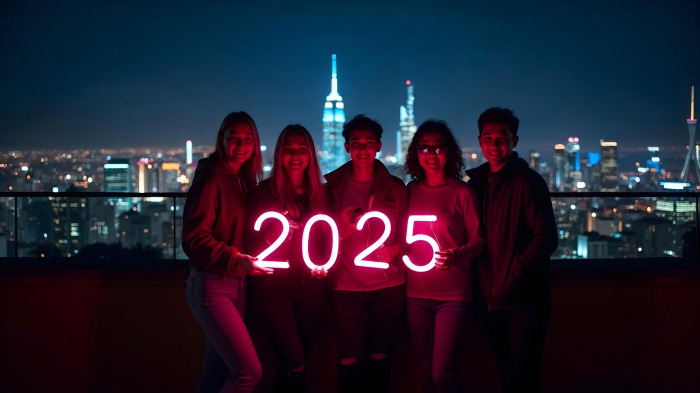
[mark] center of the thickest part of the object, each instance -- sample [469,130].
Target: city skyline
[110,76]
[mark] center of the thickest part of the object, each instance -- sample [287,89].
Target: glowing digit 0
[285,232]
[334,245]
[360,258]
[411,238]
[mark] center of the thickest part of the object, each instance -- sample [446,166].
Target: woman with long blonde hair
[288,304]
[212,237]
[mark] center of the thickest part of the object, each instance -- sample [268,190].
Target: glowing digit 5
[285,231]
[411,238]
[360,258]
[305,242]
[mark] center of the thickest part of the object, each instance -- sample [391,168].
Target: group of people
[448,249]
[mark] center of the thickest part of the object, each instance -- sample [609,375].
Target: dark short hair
[455,162]
[499,116]
[362,122]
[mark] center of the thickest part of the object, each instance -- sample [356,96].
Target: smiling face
[497,143]
[295,154]
[432,153]
[238,144]
[363,147]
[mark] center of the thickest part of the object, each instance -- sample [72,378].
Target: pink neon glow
[411,238]
[360,258]
[334,245]
[408,83]
[285,232]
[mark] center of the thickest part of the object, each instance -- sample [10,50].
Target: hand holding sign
[444,259]
[251,265]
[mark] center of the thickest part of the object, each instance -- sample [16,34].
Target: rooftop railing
[143,230]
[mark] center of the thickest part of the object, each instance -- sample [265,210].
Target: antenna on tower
[692,102]
[334,96]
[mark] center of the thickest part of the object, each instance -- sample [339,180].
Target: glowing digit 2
[305,242]
[411,238]
[360,258]
[285,231]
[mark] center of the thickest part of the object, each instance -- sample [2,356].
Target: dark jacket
[214,218]
[388,195]
[521,235]
[262,200]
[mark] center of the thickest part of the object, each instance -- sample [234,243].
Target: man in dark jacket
[368,302]
[521,235]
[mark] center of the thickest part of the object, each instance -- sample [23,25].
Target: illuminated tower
[608,166]
[407,124]
[333,153]
[117,178]
[558,163]
[572,163]
[188,150]
[691,160]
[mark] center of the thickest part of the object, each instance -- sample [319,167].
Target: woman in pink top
[439,299]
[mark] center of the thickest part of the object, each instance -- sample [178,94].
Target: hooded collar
[339,177]
[210,164]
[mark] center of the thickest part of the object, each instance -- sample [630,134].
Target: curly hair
[455,163]
[499,116]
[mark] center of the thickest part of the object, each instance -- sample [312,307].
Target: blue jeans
[218,303]
[437,327]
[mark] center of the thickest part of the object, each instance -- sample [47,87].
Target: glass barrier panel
[629,227]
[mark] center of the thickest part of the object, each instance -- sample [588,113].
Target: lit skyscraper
[558,162]
[333,153]
[654,161]
[608,166]
[117,178]
[534,160]
[572,163]
[147,175]
[188,151]
[407,124]
[117,173]
[170,171]
[691,160]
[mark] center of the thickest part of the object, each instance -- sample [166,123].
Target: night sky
[81,75]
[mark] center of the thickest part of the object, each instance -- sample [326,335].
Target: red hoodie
[214,218]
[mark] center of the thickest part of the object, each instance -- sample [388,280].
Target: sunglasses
[437,149]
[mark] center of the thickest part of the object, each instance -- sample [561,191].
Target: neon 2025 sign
[335,241]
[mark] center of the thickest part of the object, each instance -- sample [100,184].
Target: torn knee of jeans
[377,356]
[298,369]
[347,361]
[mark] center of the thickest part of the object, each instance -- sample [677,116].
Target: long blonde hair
[282,186]
[252,169]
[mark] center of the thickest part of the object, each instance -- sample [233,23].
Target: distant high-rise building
[117,174]
[608,165]
[654,160]
[558,163]
[188,152]
[534,160]
[333,153]
[69,232]
[169,173]
[117,178]
[692,162]
[572,163]
[147,175]
[407,126]
[593,169]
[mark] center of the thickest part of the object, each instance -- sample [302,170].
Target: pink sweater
[458,227]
